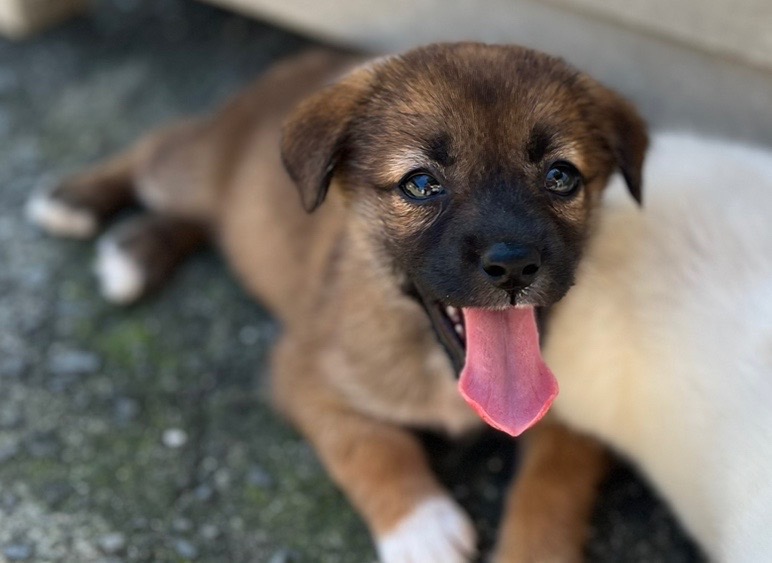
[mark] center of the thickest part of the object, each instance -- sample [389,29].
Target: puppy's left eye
[421,186]
[562,178]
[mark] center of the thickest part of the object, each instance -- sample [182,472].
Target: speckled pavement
[143,434]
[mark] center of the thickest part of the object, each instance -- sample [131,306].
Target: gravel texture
[143,434]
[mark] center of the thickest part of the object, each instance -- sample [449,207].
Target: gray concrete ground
[143,434]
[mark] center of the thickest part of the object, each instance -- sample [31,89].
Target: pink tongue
[505,378]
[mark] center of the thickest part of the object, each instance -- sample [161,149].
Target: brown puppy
[452,189]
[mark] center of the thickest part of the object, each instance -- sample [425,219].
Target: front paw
[436,531]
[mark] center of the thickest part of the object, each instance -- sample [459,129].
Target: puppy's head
[473,170]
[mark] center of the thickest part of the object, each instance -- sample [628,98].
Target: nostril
[511,266]
[530,270]
[495,271]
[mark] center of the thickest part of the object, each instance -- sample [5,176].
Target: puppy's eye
[421,186]
[562,178]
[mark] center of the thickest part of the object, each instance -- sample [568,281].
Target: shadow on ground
[143,434]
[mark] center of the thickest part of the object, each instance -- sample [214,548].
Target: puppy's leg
[77,206]
[138,255]
[167,171]
[384,473]
[550,504]
[380,467]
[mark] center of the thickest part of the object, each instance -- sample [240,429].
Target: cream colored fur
[664,348]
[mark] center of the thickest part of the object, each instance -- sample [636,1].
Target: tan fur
[551,502]
[359,361]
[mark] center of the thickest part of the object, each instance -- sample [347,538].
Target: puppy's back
[264,231]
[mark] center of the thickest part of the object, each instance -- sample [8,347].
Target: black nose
[511,266]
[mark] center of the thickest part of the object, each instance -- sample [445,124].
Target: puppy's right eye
[421,186]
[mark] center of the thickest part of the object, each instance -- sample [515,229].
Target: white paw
[437,531]
[121,279]
[58,218]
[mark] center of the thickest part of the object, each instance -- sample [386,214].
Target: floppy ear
[315,134]
[626,133]
[629,142]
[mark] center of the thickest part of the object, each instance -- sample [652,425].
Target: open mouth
[497,359]
[448,324]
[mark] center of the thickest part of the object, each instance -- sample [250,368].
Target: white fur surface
[59,219]
[664,347]
[437,531]
[121,278]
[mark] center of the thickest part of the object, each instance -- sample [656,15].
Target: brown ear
[315,134]
[626,133]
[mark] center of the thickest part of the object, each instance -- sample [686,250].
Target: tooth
[459,329]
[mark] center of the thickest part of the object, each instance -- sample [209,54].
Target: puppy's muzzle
[510,266]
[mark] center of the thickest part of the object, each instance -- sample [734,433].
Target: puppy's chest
[407,379]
